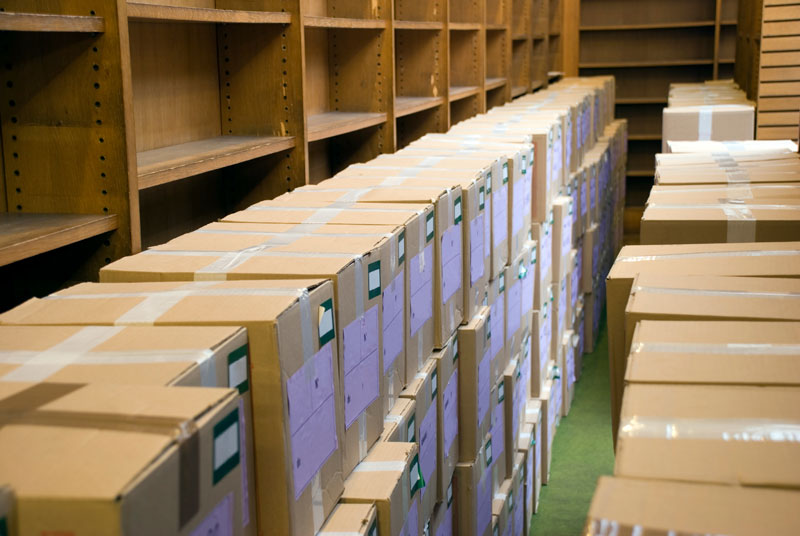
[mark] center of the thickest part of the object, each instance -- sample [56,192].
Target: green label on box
[225,455]
[488,452]
[522,270]
[449,496]
[505,172]
[455,349]
[457,211]
[374,279]
[373,530]
[488,326]
[501,392]
[489,182]
[401,248]
[411,431]
[510,500]
[3,527]
[429,230]
[434,384]
[415,479]
[502,282]
[496,531]
[326,327]
[238,369]
[524,165]
[481,197]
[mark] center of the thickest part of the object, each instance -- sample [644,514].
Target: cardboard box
[272,312]
[447,422]
[8,520]
[550,400]
[668,297]
[732,147]
[363,269]
[717,123]
[762,220]
[400,425]
[514,410]
[788,193]
[416,246]
[561,313]
[503,508]
[139,442]
[442,522]
[389,477]
[734,435]
[756,353]
[424,390]
[353,519]
[518,494]
[543,236]
[542,335]
[498,323]
[474,385]
[569,346]
[778,259]
[474,496]
[627,504]
[496,446]
[530,442]
[518,302]
[575,190]
[574,286]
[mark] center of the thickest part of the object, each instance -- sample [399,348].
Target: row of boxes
[317,339]
[703,342]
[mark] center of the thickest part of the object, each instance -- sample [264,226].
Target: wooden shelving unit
[128,122]
[647,45]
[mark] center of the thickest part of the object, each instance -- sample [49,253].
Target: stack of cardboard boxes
[704,343]
[386,352]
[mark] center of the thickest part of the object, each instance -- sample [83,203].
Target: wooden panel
[410,128]
[317,81]
[571,36]
[465,67]
[769,119]
[465,108]
[435,10]
[771,29]
[782,13]
[652,82]
[329,124]
[779,89]
[175,83]
[466,10]
[142,11]
[419,63]
[777,133]
[613,12]
[777,44]
[411,105]
[520,67]
[777,74]
[497,49]
[38,22]
[26,235]
[462,92]
[652,46]
[643,119]
[338,22]
[771,104]
[417,25]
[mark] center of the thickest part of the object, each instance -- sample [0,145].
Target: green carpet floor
[582,451]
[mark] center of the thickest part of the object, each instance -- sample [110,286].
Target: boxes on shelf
[442,522]
[353,519]
[530,442]
[447,364]
[496,446]
[475,385]
[400,425]
[562,236]
[542,234]
[163,459]
[516,397]
[277,315]
[389,477]
[474,495]
[498,322]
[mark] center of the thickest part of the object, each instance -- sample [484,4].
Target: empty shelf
[329,124]
[494,83]
[465,26]
[492,26]
[517,91]
[340,22]
[167,164]
[644,63]
[417,25]
[156,12]
[39,22]
[410,105]
[462,92]
[24,235]
[648,26]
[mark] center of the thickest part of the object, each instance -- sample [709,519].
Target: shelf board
[24,235]
[641,100]
[644,137]
[641,173]
[518,90]
[494,83]
[175,162]
[47,22]
[539,37]
[652,26]
[330,124]
[340,22]
[727,60]
[553,76]
[496,27]
[519,37]
[418,25]
[654,63]
[465,26]
[410,105]
[554,34]
[731,22]
[462,92]
[537,84]
[156,12]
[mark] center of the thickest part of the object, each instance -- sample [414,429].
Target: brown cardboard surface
[776,259]
[751,353]
[474,496]
[496,447]
[502,504]
[548,411]
[7,505]
[789,193]
[443,520]
[389,477]
[123,355]
[423,389]
[518,306]
[562,235]
[543,236]
[353,519]
[133,439]
[658,507]
[736,435]
[497,300]
[778,146]
[271,312]
[725,122]
[474,385]
[517,496]
[530,442]
[514,407]
[400,424]
[447,406]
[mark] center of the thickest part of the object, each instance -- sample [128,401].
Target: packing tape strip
[738,430]
[394,419]
[380,467]
[716,293]
[741,223]
[317,506]
[605,527]
[705,123]
[298,231]
[359,299]
[716,348]
[737,175]
[710,255]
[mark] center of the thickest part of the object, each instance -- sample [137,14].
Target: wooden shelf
[168,164]
[410,105]
[519,37]
[155,12]
[24,235]
[517,91]
[417,25]
[339,22]
[539,37]
[653,63]
[330,124]
[494,83]
[653,26]
[641,173]
[496,27]
[644,137]
[732,22]
[36,22]
[464,26]
[462,92]
[641,100]
[727,60]
[537,84]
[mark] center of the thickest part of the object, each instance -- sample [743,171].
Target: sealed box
[514,411]
[518,302]
[353,519]
[363,268]
[710,194]
[447,421]
[541,337]
[720,434]
[442,522]
[163,460]
[400,425]
[473,497]
[542,234]
[757,353]
[627,504]
[496,446]
[569,347]
[530,442]
[562,235]
[389,477]
[561,313]
[511,498]
[424,390]
[550,400]
[503,507]
[474,384]
[777,259]
[415,245]
[732,147]
[279,321]
[497,299]
[717,123]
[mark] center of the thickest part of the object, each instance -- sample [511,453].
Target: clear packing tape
[711,255]
[715,348]
[715,293]
[716,429]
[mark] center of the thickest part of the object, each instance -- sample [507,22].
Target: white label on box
[226,445]
[237,372]
[429,227]
[375,278]
[325,323]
